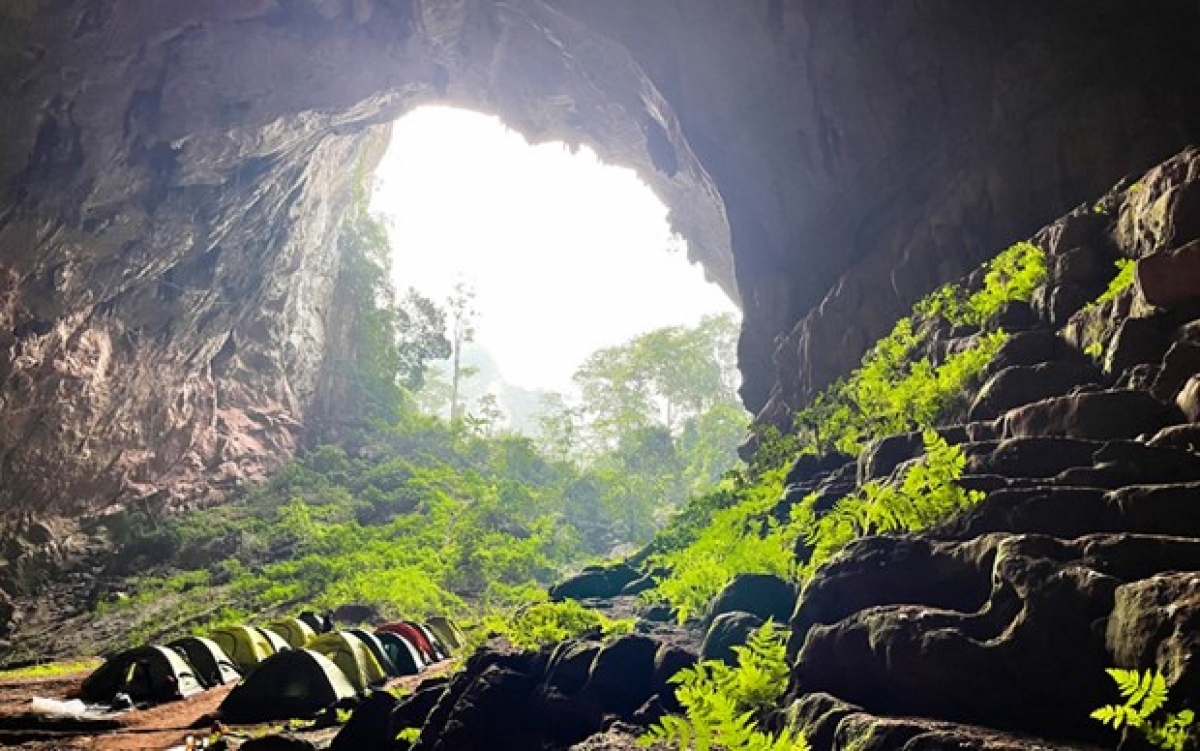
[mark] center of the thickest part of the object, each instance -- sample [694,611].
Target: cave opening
[562,253]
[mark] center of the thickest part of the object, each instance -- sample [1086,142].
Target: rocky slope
[172,173]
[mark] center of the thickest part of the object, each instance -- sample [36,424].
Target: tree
[462,333]
[664,377]
[422,338]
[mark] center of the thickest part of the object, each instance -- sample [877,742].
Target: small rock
[727,631]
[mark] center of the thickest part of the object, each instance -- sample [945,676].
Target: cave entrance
[563,253]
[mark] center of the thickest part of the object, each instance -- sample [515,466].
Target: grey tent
[150,673]
[373,644]
[209,662]
[404,656]
[295,683]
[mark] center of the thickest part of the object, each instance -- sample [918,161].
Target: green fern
[1145,695]
[721,703]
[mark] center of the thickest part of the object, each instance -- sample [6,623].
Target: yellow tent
[448,631]
[294,631]
[246,646]
[354,658]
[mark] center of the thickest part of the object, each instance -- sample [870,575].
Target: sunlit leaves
[1146,695]
[721,703]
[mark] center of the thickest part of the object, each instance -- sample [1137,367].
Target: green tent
[352,656]
[278,643]
[246,646]
[448,631]
[296,683]
[209,662]
[440,650]
[401,652]
[373,644]
[150,673]
[294,631]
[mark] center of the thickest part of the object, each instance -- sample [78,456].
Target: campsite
[157,697]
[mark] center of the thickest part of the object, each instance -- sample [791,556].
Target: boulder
[595,581]
[1056,304]
[1037,457]
[355,614]
[1168,279]
[1100,415]
[370,725]
[412,711]
[1084,264]
[1188,399]
[493,712]
[1137,341]
[1155,623]
[641,584]
[622,674]
[765,596]
[1017,385]
[570,664]
[1030,348]
[727,631]
[1181,362]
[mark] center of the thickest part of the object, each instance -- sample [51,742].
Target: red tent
[414,637]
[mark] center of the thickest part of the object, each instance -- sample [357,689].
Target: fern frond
[1156,694]
[1117,715]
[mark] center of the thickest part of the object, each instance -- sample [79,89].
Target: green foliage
[927,495]
[740,526]
[1126,273]
[546,623]
[1146,695]
[722,703]
[1011,276]
[892,392]
[744,538]
[51,669]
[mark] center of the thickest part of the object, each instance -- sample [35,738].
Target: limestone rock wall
[171,175]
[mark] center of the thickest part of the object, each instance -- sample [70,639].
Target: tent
[414,636]
[440,650]
[319,624]
[448,631]
[209,662]
[352,656]
[246,646]
[294,631]
[401,652]
[296,683]
[278,643]
[372,643]
[150,673]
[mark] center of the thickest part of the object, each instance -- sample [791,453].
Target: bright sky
[566,254]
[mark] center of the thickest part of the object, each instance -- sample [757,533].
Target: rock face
[1084,553]
[172,175]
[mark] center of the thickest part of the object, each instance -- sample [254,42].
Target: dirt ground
[165,726]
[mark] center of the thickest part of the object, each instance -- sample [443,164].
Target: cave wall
[172,174]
